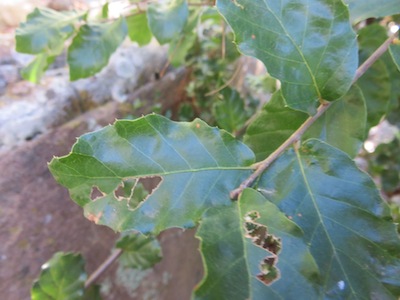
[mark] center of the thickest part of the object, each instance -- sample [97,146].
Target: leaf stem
[103,267]
[263,165]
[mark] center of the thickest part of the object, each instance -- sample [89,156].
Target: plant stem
[103,267]
[263,165]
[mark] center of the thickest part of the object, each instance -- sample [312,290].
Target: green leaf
[167,20]
[308,45]
[229,111]
[62,277]
[383,75]
[45,31]
[375,85]
[35,70]
[395,54]
[342,125]
[346,223]
[199,166]
[179,48]
[253,251]
[364,9]
[138,29]
[104,11]
[92,47]
[273,125]
[140,252]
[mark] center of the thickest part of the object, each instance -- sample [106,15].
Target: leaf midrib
[79,175]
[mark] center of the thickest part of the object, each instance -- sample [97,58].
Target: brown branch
[295,137]
[103,267]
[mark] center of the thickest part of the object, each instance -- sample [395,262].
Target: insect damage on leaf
[260,237]
[137,190]
[96,193]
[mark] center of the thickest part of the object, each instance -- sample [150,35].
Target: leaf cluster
[308,223]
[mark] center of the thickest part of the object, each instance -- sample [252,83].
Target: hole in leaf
[261,237]
[269,272]
[96,193]
[136,190]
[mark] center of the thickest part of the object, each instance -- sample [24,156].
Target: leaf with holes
[364,9]
[308,45]
[253,251]
[62,277]
[167,20]
[198,166]
[139,252]
[346,223]
[92,47]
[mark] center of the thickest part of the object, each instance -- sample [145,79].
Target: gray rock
[27,114]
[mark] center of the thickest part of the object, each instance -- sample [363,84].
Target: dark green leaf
[308,45]
[45,31]
[344,220]
[62,277]
[140,252]
[138,29]
[375,86]
[199,166]
[254,252]
[364,9]
[167,20]
[35,70]
[229,111]
[273,125]
[91,49]
[344,124]
[378,103]
[395,53]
